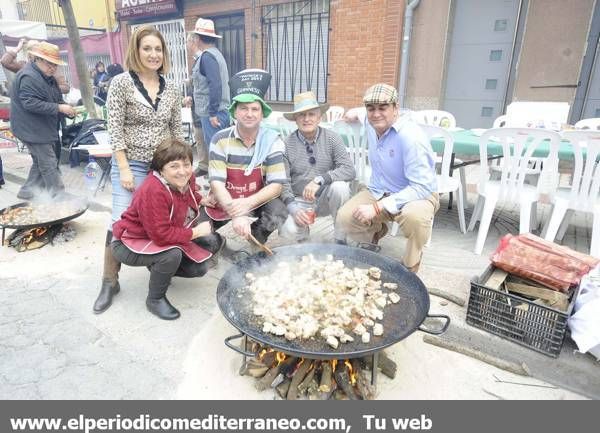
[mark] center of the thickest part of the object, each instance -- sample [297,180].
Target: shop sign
[137,9]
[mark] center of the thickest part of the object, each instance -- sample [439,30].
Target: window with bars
[173,32]
[295,48]
[90,62]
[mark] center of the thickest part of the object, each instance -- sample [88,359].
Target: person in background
[99,76]
[246,169]
[210,84]
[201,147]
[161,228]
[2,182]
[10,62]
[144,109]
[403,184]
[35,112]
[112,71]
[318,165]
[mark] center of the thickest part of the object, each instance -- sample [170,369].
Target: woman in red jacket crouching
[161,227]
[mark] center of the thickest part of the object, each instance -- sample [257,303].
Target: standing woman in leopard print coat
[144,108]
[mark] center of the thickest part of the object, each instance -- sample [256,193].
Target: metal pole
[109,33]
[82,72]
[408,16]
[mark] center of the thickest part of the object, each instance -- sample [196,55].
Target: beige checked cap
[381,94]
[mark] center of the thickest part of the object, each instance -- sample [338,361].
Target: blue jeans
[208,130]
[121,198]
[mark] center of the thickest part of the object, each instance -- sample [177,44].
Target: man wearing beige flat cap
[318,166]
[210,83]
[36,108]
[403,185]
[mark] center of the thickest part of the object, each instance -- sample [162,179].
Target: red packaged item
[547,263]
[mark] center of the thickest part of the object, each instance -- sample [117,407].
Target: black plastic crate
[516,318]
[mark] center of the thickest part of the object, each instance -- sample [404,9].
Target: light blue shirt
[402,164]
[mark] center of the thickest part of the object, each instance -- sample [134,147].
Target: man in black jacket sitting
[35,110]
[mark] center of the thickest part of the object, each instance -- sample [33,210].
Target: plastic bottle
[92,173]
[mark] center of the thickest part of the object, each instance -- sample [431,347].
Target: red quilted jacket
[149,214]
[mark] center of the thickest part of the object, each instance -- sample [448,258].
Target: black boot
[162,308]
[260,233]
[157,302]
[110,279]
[213,242]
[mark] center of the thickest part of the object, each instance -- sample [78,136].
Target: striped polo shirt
[227,150]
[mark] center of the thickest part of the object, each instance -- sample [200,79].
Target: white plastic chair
[274,117]
[448,183]
[187,123]
[582,196]
[446,120]
[591,123]
[335,112]
[358,148]
[441,118]
[445,182]
[500,121]
[357,112]
[537,114]
[286,127]
[518,146]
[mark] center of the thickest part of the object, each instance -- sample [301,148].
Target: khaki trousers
[415,220]
[201,148]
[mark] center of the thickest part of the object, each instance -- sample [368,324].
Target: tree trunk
[82,72]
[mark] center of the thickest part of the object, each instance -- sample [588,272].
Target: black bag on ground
[81,133]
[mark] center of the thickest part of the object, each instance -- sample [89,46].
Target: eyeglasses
[47,63]
[311,158]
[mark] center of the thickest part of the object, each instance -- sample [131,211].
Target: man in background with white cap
[403,184]
[210,78]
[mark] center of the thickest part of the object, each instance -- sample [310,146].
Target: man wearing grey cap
[402,187]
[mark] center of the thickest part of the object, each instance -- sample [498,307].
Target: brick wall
[364,47]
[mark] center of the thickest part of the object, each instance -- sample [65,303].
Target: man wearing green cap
[246,168]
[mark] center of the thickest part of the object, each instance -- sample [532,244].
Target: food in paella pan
[40,213]
[326,299]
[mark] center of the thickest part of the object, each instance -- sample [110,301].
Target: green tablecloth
[467,143]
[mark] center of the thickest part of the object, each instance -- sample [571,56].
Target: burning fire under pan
[400,319]
[39,218]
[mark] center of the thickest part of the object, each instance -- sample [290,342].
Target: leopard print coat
[134,125]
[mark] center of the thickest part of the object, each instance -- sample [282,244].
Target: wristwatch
[318,180]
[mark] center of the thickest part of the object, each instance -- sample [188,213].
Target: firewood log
[387,366]
[325,383]
[283,388]
[269,358]
[303,386]
[313,390]
[267,380]
[343,380]
[299,375]
[364,387]
[254,368]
